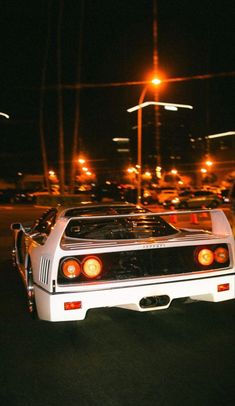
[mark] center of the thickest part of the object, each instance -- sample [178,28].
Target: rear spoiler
[219,221]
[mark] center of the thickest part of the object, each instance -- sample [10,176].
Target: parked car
[174,200]
[7,195]
[91,256]
[107,191]
[15,196]
[225,195]
[196,200]
[165,194]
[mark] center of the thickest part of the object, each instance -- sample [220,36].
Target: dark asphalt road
[182,356]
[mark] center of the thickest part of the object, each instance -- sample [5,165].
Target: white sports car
[91,256]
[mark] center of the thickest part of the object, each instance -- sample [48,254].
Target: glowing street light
[81,161]
[209,163]
[141,104]
[156,81]
[203,170]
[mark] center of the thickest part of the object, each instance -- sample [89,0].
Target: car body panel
[46,244]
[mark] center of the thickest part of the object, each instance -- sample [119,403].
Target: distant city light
[121,139]
[81,161]
[147,174]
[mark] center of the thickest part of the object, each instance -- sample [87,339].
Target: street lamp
[155,82]
[141,104]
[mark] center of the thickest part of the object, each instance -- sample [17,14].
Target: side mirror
[16,226]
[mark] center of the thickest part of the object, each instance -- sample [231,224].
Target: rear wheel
[30,292]
[13,257]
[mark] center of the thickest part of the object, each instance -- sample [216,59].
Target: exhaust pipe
[154,301]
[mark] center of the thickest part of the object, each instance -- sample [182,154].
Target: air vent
[44,270]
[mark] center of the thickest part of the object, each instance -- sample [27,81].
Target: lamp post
[139,136]
[141,104]
[139,144]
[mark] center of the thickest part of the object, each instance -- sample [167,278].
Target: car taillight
[221,255]
[71,268]
[205,257]
[91,267]
[72,305]
[223,287]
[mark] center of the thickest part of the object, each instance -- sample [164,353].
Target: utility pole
[76,143]
[41,110]
[60,102]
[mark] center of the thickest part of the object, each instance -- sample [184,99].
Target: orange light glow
[221,255]
[72,305]
[92,267]
[71,268]
[81,161]
[223,287]
[156,81]
[205,257]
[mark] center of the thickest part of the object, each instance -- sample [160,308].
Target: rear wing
[211,220]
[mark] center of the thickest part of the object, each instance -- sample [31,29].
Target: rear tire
[13,257]
[30,292]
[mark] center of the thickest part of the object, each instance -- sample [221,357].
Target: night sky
[194,38]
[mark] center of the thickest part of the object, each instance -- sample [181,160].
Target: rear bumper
[51,306]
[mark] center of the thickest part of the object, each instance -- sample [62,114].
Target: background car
[15,196]
[107,191]
[174,200]
[196,200]
[225,194]
[166,193]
